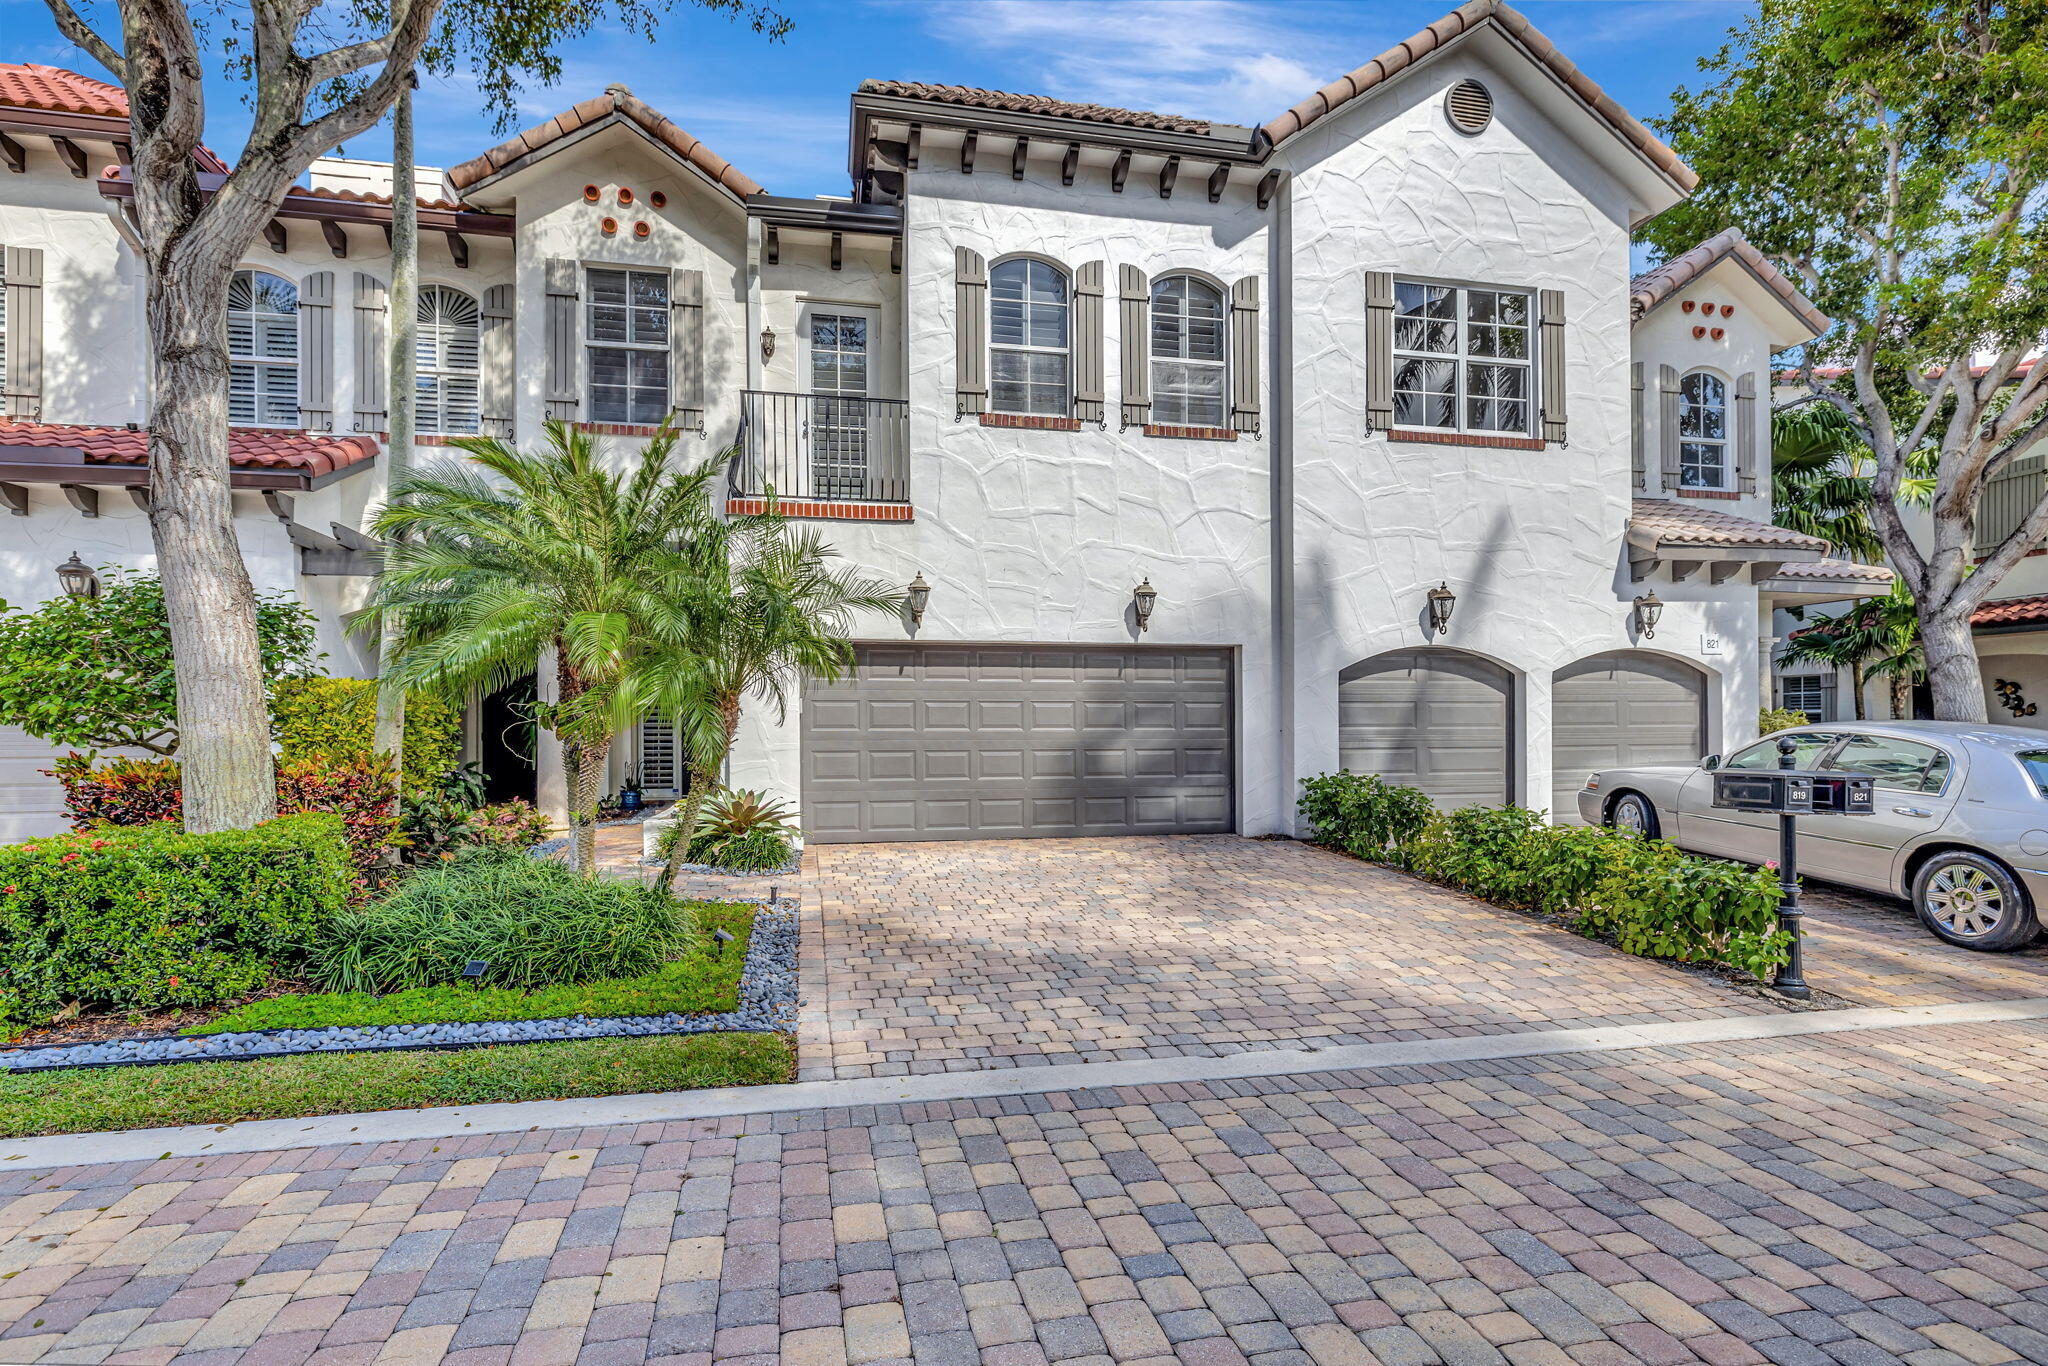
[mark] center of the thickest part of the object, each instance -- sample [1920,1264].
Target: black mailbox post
[1790,793]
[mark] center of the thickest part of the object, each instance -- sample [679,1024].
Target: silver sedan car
[1960,827]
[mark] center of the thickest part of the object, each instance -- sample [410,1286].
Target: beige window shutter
[1635,423]
[23,395]
[970,332]
[316,351]
[686,348]
[565,397]
[1745,430]
[1088,342]
[1550,356]
[1667,424]
[372,302]
[1134,336]
[496,363]
[1379,351]
[1244,354]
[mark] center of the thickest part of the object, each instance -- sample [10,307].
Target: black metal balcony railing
[823,446]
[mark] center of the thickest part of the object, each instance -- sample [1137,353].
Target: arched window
[1188,352]
[1028,338]
[1702,431]
[263,350]
[445,357]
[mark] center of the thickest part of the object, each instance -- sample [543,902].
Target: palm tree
[1819,481]
[1878,637]
[492,561]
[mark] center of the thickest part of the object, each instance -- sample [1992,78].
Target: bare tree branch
[73,26]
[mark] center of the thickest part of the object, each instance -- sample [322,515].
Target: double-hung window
[1702,431]
[263,350]
[1462,358]
[1028,338]
[445,352]
[1188,352]
[626,328]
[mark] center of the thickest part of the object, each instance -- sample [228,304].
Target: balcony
[822,449]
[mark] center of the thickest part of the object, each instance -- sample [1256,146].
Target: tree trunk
[223,717]
[1858,679]
[702,780]
[1953,676]
[585,770]
[405,278]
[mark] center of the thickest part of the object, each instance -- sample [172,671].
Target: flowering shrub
[1648,896]
[150,917]
[515,824]
[120,791]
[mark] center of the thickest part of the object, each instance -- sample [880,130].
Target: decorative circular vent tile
[1469,106]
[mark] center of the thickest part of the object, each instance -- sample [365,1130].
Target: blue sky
[778,110]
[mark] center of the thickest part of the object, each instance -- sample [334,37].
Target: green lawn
[94,1100]
[702,981]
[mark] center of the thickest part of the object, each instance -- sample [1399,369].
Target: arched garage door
[1618,710]
[1433,719]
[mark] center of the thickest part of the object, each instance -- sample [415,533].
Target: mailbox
[1794,792]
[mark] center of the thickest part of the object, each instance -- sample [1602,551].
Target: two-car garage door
[951,742]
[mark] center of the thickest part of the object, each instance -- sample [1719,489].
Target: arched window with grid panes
[446,361]
[1703,431]
[1029,338]
[263,350]
[1189,346]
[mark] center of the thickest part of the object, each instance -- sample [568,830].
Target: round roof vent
[1469,106]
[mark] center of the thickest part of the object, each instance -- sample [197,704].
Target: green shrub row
[1646,895]
[149,917]
[336,719]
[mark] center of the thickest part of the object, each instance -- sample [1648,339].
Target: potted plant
[629,791]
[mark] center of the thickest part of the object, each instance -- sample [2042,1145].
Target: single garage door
[1433,719]
[958,742]
[1617,710]
[31,803]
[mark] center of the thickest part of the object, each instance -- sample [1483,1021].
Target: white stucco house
[1364,399]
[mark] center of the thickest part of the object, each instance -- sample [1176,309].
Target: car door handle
[1911,811]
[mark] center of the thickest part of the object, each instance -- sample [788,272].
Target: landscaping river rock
[767,1002]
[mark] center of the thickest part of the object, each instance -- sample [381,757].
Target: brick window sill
[1190,433]
[1436,438]
[1708,493]
[822,509]
[1032,422]
[615,428]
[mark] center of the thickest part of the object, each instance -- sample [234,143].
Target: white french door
[836,361]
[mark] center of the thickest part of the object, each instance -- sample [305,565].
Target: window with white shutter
[263,350]
[445,352]
[1188,353]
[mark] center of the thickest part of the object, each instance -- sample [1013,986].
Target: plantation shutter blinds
[372,302]
[447,337]
[1550,355]
[21,331]
[495,365]
[1088,386]
[316,351]
[970,331]
[1635,422]
[686,348]
[1667,424]
[1244,354]
[1745,430]
[1134,335]
[1379,351]
[564,399]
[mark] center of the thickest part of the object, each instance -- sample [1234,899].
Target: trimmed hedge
[337,718]
[1646,895]
[149,917]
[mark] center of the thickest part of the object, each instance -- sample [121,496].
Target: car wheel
[1973,901]
[1632,814]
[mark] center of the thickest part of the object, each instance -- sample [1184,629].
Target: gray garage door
[1433,719]
[1621,709]
[956,742]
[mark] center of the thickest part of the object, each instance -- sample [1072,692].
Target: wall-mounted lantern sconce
[77,577]
[1142,598]
[920,594]
[1441,601]
[767,344]
[1648,609]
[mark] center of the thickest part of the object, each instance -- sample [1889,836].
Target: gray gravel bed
[767,1001]
[789,869]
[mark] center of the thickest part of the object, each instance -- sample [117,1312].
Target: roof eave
[525,161]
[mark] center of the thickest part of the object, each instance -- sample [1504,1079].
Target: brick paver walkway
[1854,1200]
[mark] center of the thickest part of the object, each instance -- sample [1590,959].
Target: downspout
[1280,341]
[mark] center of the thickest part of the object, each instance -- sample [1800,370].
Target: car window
[1895,765]
[1764,753]
[2035,762]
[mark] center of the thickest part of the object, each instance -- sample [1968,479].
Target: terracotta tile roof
[2012,612]
[1460,21]
[1654,286]
[615,100]
[1035,104]
[249,448]
[1676,523]
[367,197]
[32,85]
[1837,571]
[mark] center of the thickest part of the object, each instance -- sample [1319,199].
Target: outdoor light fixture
[1441,601]
[767,344]
[723,939]
[1648,609]
[77,577]
[920,594]
[474,970]
[1142,597]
